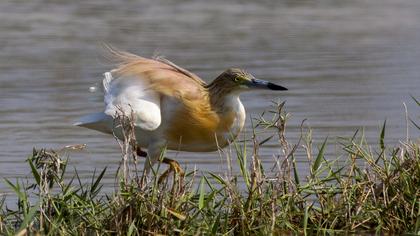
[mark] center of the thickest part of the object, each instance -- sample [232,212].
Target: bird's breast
[195,128]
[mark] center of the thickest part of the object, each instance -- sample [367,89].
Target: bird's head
[237,80]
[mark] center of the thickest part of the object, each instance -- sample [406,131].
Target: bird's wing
[138,84]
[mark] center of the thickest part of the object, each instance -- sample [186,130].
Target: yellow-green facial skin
[240,78]
[243,82]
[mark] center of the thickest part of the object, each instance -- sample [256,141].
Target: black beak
[257,83]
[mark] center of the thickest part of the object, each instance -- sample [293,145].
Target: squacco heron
[173,107]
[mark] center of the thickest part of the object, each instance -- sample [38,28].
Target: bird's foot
[173,166]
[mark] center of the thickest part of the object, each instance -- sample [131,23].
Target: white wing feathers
[131,95]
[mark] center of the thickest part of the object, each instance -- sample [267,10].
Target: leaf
[208,183]
[265,140]
[131,228]
[417,101]
[35,172]
[215,225]
[319,157]
[218,178]
[28,217]
[305,221]
[382,136]
[201,197]
[98,180]
[242,162]
[295,172]
[178,215]
[16,188]
[414,123]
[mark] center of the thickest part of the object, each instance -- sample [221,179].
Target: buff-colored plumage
[172,107]
[196,119]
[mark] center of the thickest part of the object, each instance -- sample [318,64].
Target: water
[348,65]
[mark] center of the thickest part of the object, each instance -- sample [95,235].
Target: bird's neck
[231,114]
[221,100]
[230,110]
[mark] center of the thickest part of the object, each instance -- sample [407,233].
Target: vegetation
[366,190]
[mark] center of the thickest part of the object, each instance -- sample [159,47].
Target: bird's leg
[154,152]
[140,152]
[173,166]
[152,157]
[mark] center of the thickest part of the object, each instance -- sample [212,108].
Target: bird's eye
[236,79]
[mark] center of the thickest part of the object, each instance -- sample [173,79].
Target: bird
[172,107]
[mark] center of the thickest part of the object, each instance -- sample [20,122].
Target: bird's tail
[96,121]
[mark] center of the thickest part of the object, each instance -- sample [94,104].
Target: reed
[368,189]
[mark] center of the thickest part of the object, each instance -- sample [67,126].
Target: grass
[372,189]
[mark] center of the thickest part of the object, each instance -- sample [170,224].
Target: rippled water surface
[347,64]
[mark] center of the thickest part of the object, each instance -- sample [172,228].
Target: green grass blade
[417,101]
[295,172]
[94,188]
[414,123]
[305,221]
[16,188]
[35,173]
[28,217]
[177,214]
[265,140]
[131,228]
[242,162]
[216,225]
[382,136]
[202,193]
[319,157]
[209,184]
[219,179]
